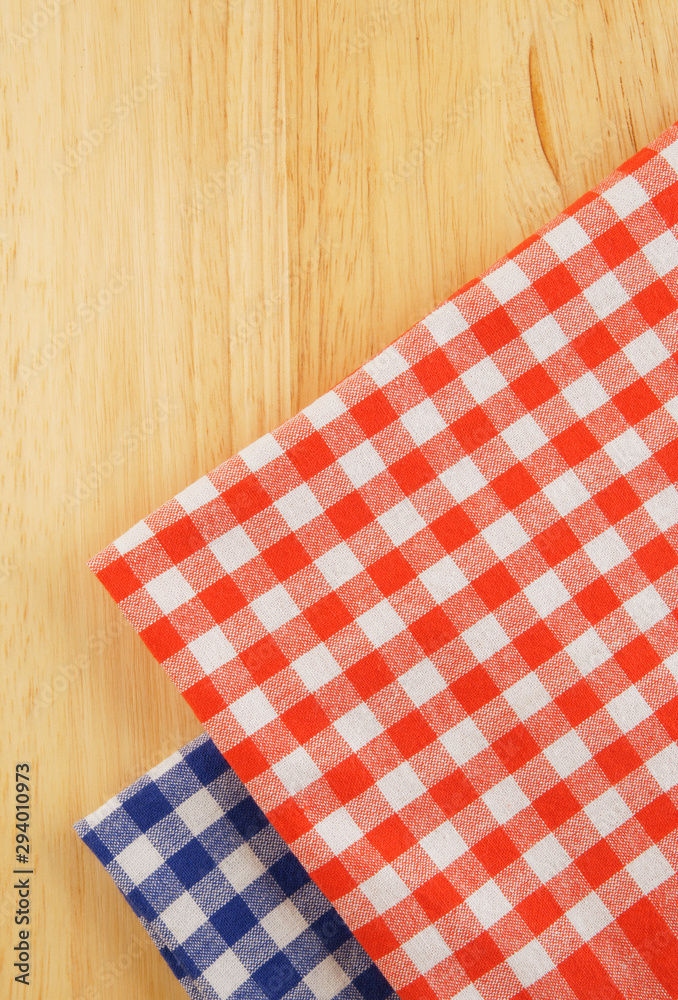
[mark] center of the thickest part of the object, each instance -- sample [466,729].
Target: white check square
[627,451]
[531,963]
[317,667]
[590,916]
[463,479]
[401,522]
[422,682]
[607,550]
[545,338]
[324,410]
[670,154]
[485,638]
[212,650]
[671,664]
[483,380]
[505,536]
[547,858]
[139,859]
[381,623]
[444,845]
[226,974]
[299,506]
[199,811]
[567,238]
[488,904]
[339,830]
[327,980]
[386,366]
[606,295]
[284,923]
[183,917]
[138,533]
[297,770]
[527,696]
[608,812]
[524,437]
[253,711]
[664,767]
[547,593]
[626,196]
[588,651]
[358,726]
[443,579]
[646,608]
[170,590]
[445,323]
[339,565]
[566,493]
[362,463]
[567,754]
[197,495]
[647,351]
[464,741]
[423,422]
[506,281]
[385,889]
[262,451]
[650,869]
[629,709]
[426,949]
[505,800]
[275,608]
[662,253]
[663,508]
[242,867]
[585,394]
[233,549]
[401,786]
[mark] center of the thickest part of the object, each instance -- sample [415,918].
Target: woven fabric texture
[230,908]
[432,620]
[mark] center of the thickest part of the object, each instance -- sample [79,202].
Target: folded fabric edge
[162,943]
[336,965]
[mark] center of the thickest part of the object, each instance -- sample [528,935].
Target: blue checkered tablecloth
[230,908]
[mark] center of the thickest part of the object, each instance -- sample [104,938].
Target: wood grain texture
[212,212]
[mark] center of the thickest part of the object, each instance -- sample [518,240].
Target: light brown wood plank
[212,212]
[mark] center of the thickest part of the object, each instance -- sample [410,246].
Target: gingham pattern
[228,905]
[432,620]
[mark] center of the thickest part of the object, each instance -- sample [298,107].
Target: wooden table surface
[212,212]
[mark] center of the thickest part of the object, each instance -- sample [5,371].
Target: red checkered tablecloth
[432,620]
